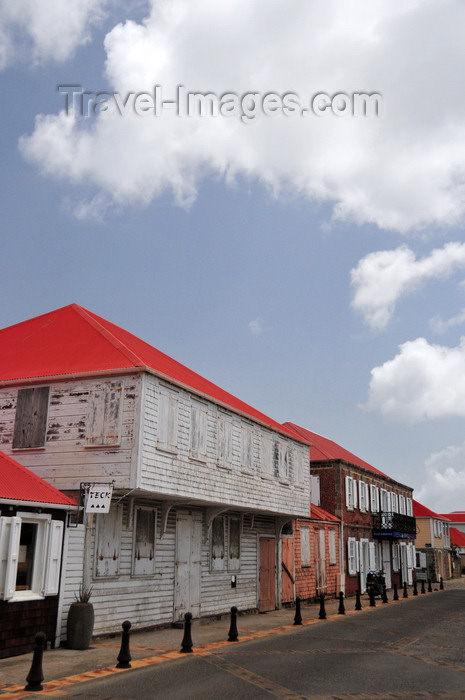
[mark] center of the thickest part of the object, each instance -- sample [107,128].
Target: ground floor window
[225,546]
[30,547]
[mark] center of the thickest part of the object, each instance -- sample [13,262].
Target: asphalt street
[412,650]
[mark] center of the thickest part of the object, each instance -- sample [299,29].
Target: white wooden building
[202,482]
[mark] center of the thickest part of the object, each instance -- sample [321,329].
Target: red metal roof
[421,511]
[457,537]
[72,340]
[322,448]
[19,484]
[457,516]
[317,513]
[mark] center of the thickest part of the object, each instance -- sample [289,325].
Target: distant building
[432,543]
[375,511]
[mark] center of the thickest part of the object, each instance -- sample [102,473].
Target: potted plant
[80,622]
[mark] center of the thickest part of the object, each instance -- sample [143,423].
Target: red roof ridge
[73,341]
[421,511]
[108,335]
[331,450]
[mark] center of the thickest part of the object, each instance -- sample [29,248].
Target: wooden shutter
[266,454]
[224,442]
[104,418]
[374,499]
[167,420]
[108,542]
[5,525]
[234,562]
[332,546]
[349,492]
[304,546]
[198,432]
[351,556]
[12,558]
[217,560]
[53,561]
[144,542]
[31,417]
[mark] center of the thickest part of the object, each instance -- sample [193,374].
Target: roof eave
[38,504]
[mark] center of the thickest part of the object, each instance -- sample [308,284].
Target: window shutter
[12,558]
[332,546]
[354,494]
[217,562]
[315,489]
[267,454]
[53,561]
[198,432]
[362,496]
[304,546]
[409,507]
[349,492]
[371,556]
[374,499]
[395,557]
[108,542]
[144,541]
[5,525]
[104,418]
[167,420]
[234,544]
[352,556]
[394,502]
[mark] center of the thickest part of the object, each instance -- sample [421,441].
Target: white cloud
[257,326]
[381,278]
[439,326]
[422,382]
[405,170]
[444,486]
[50,29]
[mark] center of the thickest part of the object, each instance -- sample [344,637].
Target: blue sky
[314,267]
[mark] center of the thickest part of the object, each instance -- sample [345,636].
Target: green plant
[84,593]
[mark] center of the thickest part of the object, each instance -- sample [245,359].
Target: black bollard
[405,590]
[396,594]
[371,595]
[232,636]
[430,588]
[297,616]
[422,589]
[441,584]
[124,656]
[415,589]
[384,597]
[358,605]
[186,644]
[36,676]
[322,615]
[341,610]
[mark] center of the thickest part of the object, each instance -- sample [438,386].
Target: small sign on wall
[99,498]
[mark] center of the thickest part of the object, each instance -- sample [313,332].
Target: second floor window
[167,420]
[31,417]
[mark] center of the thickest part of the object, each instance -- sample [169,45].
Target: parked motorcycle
[375,582]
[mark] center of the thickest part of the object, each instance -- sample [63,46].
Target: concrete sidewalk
[63,667]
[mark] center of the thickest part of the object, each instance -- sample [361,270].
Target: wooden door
[187,565]
[288,570]
[387,563]
[320,561]
[267,574]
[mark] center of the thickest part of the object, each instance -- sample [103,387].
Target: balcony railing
[394,523]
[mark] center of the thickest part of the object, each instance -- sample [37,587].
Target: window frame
[150,569]
[105,415]
[32,408]
[47,556]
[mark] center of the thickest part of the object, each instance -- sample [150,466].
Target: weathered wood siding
[149,600]
[257,486]
[69,455]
